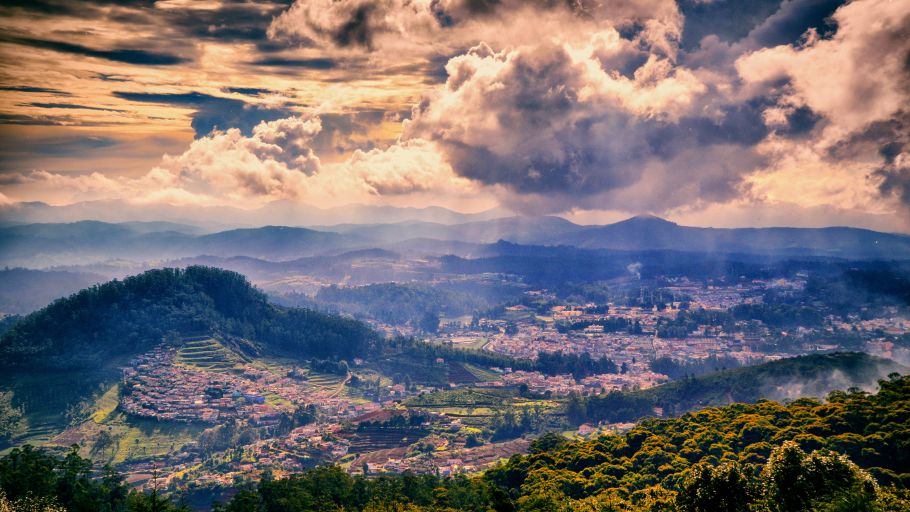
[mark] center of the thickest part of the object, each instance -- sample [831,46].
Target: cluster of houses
[563,385]
[154,387]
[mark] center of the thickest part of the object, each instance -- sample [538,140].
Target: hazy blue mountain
[23,291]
[287,213]
[514,229]
[652,233]
[273,242]
[41,245]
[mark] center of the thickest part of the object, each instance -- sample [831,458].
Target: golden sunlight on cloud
[580,108]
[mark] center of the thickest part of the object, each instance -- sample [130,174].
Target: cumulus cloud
[404,168]
[857,82]
[856,77]
[276,161]
[440,26]
[557,105]
[575,124]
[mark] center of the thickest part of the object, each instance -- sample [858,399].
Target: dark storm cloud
[240,21]
[39,90]
[127,56]
[895,181]
[111,78]
[356,30]
[212,112]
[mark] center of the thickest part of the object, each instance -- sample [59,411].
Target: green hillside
[128,317]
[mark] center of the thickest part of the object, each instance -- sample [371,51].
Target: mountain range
[49,244]
[216,218]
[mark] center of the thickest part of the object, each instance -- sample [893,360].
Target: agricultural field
[208,354]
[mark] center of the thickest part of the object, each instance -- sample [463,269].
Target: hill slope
[805,376]
[122,318]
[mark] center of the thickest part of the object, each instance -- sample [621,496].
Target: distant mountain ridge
[652,233]
[41,245]
[224,217]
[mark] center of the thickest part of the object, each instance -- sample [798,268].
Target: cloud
[561,125]
[128,56]
[275,162]
[856,77]
[856,83]
[405,28]
[212,112]
[355,22]
[31,89]
[894,178]
[314,63]
[69,106]
[405,168]
[248,91]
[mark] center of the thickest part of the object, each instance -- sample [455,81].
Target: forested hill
[811,375]
[121,318]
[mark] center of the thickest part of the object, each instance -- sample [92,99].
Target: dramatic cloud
[275,162]
[681,108]
[572,122]
[858,83]
[408,27]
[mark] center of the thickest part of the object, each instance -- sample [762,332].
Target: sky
[708,112]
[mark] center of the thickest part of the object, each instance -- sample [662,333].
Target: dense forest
[399,304]
[850,452]
[121,318]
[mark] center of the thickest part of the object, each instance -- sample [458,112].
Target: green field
[105,406]
[482,374]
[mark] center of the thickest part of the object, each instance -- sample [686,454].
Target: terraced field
[208,354]
[372,439]
[482,374]
[458,374]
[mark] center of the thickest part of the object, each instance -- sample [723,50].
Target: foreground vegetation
[851,452]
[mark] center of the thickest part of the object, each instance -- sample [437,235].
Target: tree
[429,323]
[794,481]
[12,422]
[708,488]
